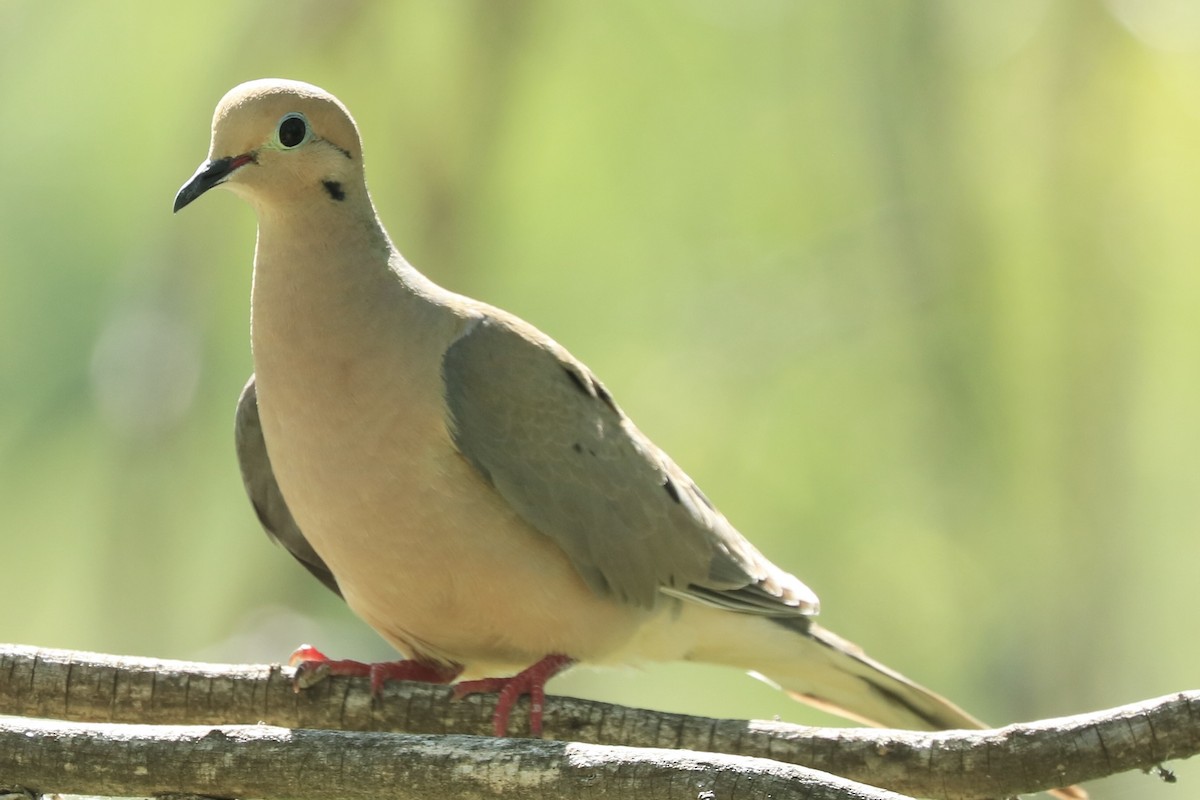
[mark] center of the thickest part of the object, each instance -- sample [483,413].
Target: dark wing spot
[604,396]
[335,190]
[577,447]
[587,384]
[577,380]
[669,485]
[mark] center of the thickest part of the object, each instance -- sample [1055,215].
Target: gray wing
[550,439]
[264,492]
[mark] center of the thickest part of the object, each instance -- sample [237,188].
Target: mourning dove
[469,488]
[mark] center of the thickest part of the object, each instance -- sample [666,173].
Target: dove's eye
[292,131]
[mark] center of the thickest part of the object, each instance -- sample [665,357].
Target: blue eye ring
[292,131]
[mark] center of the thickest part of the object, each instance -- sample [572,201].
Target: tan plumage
[469,488]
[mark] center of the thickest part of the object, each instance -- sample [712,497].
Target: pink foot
[313,666]
[531,681]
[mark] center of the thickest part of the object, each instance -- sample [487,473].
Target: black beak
[210,174]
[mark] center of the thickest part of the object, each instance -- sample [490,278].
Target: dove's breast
[356,430]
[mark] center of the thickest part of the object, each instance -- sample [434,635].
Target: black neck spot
[335,190]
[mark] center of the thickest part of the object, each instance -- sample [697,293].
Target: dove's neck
[326,271]
[322,253]
[337,313]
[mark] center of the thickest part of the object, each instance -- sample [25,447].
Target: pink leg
[531,681]
[313,666]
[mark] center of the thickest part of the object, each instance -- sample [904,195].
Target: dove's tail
[820,668]
[837,676]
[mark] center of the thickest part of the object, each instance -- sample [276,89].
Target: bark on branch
[269,762]
[86,687]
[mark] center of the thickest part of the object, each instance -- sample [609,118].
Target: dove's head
[277,141]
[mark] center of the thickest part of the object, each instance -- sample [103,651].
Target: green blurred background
[911,289]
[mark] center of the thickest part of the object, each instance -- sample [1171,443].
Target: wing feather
[551,440]
[264,492]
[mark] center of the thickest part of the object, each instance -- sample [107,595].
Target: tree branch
[90,687]
[270,762]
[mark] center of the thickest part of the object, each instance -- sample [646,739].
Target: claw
[531,681]
[313,666]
